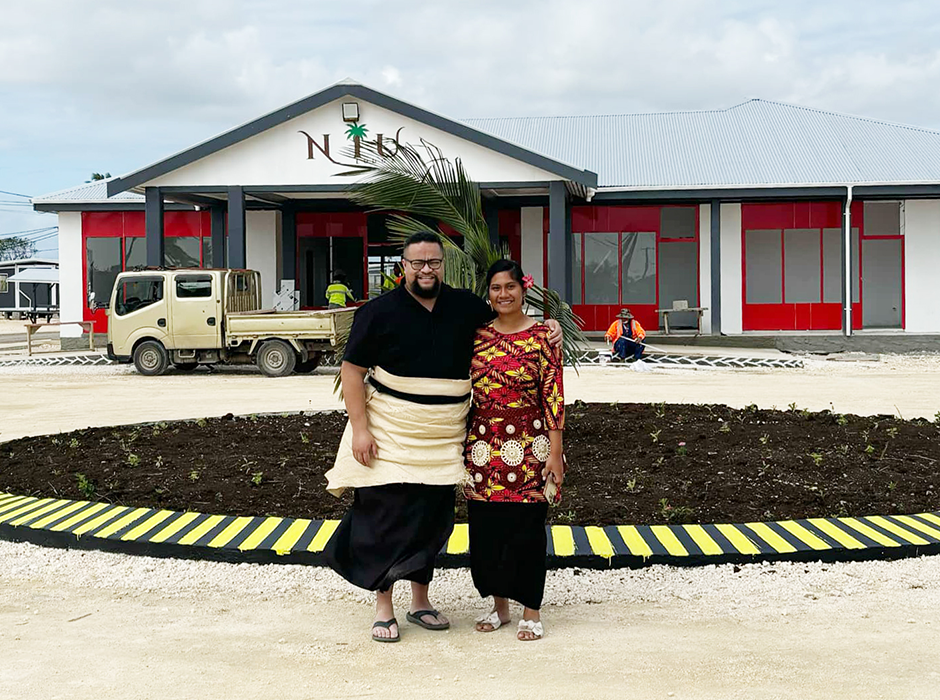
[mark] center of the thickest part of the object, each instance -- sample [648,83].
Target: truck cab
[181,311]
[192,317]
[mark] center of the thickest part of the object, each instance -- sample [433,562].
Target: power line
[31,232]
[15,194]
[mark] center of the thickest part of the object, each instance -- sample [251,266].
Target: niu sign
[356,133]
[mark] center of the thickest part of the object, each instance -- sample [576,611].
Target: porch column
[288,243]
[559,240]
[153,226]
[237,253]
[715,245]
[491,215]
[218,236]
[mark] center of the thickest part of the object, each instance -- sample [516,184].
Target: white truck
[192,317]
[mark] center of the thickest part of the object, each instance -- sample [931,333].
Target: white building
[774,217]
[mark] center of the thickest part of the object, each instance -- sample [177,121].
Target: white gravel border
[772,589]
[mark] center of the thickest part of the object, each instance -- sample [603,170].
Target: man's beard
[430,293]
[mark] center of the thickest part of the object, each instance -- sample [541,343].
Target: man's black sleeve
[361,345]
[480,311]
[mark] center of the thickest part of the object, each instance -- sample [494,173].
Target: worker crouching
[627,335]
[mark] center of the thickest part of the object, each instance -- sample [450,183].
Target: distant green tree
[98,176]
[16,248]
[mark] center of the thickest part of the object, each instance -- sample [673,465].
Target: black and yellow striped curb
[166,533]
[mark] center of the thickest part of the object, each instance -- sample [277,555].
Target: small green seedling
[85,485]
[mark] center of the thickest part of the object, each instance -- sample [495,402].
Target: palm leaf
[424,191]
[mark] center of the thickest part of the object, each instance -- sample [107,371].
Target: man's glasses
[433,263]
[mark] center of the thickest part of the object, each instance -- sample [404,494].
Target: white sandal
[533,626]
[492,619]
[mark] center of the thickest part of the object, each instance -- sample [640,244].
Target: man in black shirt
[418,342]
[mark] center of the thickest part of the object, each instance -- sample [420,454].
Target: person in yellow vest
[337,293]
[627,336]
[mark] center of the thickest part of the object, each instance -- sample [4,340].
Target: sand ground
[95,625]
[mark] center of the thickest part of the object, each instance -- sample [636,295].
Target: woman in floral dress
[513,454]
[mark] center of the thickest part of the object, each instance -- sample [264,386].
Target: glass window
[4,285]
[882,282]
[763,265]
[801,265]
[638,267]
[135,253]
[678,280]
[138,293]
[103,257]
[832,265]
[600,268]
[181,252]
[856,274]
[193,286]
[677,222]
[577,268]
[882,218]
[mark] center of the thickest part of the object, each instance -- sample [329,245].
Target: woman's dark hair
[339,276]
[511,266]
[422,237]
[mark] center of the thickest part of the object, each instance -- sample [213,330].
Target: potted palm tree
[422,190]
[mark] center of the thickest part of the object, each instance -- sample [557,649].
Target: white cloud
[110,85]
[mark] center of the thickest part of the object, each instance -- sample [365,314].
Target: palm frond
[424,191]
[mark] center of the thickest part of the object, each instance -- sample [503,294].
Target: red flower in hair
[528,282]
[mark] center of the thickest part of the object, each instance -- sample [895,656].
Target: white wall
[705,264]
[921,264]
[71,289]
[279,156]
[261,251]
[731,321]
[532,243]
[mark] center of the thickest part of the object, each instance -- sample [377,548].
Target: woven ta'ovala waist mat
[418,443]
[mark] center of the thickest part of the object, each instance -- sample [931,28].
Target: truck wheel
[186,366]
[276,358]
[313,361]
[150,358]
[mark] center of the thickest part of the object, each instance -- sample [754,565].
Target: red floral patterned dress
[517,398]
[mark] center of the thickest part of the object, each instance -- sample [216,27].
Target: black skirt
[390,533]
[507,550]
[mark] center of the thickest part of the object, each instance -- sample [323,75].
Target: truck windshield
[137,293]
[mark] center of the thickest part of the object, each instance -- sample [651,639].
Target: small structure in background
[29,288]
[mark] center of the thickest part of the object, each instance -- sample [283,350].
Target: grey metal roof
[756,143]
[90,192]
[29,261]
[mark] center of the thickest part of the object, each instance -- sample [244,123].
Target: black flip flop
[387,624]
[415,618]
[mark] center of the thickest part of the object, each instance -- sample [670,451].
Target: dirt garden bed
[629,463]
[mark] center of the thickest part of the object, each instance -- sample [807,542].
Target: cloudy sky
[100,85]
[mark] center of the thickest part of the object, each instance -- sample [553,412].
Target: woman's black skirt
[390,533]
[507,550]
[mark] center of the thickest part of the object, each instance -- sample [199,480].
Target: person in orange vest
[627,336]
